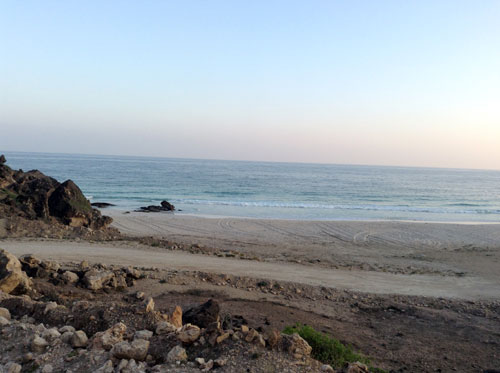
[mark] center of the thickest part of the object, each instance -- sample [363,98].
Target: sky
[412,83]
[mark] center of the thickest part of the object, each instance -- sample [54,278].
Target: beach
[406,295]
[410,248]
[381,287]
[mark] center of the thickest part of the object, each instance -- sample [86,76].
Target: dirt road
[467,287]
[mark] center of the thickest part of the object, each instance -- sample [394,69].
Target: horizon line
[256,161]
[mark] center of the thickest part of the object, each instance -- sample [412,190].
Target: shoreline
[113,211]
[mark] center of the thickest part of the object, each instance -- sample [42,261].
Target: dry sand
[458,250]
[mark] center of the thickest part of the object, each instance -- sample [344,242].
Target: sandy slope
[468,287]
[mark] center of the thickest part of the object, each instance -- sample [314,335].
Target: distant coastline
[266,190]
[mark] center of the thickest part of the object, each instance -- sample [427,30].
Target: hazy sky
[371,82]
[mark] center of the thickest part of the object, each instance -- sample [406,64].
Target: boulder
[164,206]
[79,339]
[296,346]
[177,353]
[30,264]
[149,305]
[164,327]
[202,315]
[4,312]
[143,334]
[12,367]
[137,350]
[68,203]
[12,278]
[38,344]
[176,317]
[167,206]
[2,159]
[96,279]
[189,334]
[107,339]
[357,367]
[4,321]
[69,277]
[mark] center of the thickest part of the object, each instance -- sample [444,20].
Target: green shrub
[326,349]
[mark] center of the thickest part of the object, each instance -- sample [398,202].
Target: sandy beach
[470,251]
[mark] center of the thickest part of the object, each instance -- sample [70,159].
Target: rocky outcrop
[33,195]
[164,206]
[12,278]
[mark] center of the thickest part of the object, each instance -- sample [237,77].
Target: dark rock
[101,205]
[2,159]
[165,206]
[202,315]
[34,196]
[69,204]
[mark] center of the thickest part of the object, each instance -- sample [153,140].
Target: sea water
[277,190]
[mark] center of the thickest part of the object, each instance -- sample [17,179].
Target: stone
[220,362]
[132,272]
[149,305]
[260,340]
[27,357]
[69,277]
[327,368]
[251,335]
[164,327]
[68,203]
[207,366]
[221,338]
[296,346]
[49,307]
[107,339]
[177,353]
[4,312]
[96,279]
[273,338]
[12,367]
[202,315]
[137,349]
[244,329]
[79,339]
[4,321]
[357,367]
[66,337]
[189,333]
[139,295]
[2,159]
[176,318]
[143,334]
[38,344]
[30,264]
[50,335]
[66,328]
[12,278]
[47,368]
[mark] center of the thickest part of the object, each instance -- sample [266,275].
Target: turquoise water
[277,190]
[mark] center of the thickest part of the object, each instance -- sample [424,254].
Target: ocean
[277,190]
